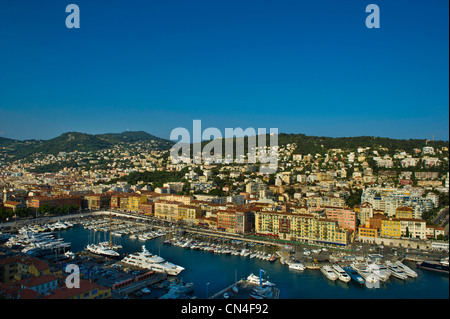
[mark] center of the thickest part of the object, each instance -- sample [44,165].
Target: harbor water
[211,272]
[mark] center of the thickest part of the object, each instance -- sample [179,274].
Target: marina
[222,268]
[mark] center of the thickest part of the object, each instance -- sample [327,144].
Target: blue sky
[310,67]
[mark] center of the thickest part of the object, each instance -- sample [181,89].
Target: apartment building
[413,228]
[189,213]
[98,201]
[346,218]
[299,227]
[166,210]
[134,201]
[391,227]
[147,208]
[404,212]
[54,201]
[367,233]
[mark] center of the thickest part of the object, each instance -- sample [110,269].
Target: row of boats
[149,235]
[48,227]
[216,248]
[37,244]
[362,272]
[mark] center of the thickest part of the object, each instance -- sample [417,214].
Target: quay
[141,284]
[245,289]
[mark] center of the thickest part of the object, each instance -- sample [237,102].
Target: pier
[245,289]
[141,284]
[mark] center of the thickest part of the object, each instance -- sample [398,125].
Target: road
[440,218]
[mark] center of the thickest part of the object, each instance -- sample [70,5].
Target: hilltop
[81,142]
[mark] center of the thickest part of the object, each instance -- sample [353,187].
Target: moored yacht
[102,250]
[145,259]
[342,275]
[357,278]
[408,271]
[297,266]
[380,270]
[396,271]
[328,272]
[361,268]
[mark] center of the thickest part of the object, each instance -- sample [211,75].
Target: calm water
[220,271]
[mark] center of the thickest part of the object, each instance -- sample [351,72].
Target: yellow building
[391,227]
[404,212]
[299,227]
[123,202]
[14,268]
[134,202]
[166,210]
[367,233]
[189,213]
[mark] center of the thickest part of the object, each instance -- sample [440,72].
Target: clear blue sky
[309,67]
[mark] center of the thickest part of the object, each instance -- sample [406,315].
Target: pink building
[346,218]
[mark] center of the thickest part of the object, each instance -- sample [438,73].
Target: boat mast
[110,235]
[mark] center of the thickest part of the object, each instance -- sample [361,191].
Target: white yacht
[328,272]
[102,250]
[69,254]
[408,271]
[396,271]
[145,259]
[342,275]
[361,268]
[380,270]
[253,279]
[297,266]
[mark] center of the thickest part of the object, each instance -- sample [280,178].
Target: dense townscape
[320,195]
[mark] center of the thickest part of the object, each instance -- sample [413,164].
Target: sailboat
[103,248]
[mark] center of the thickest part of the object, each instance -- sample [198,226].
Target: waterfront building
[434,231]
[166,210]
[54,201]
[134,202]
[391,227]
[367,233]
[227,220]
[189,213]
[346,218]
[413,228]
[147,208]
[300,227]
[98,201]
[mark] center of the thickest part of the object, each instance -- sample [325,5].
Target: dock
[245,289]
[141,284]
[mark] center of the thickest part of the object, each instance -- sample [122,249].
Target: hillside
[322,144]
[81,142]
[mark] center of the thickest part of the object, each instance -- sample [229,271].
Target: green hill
[81,142]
